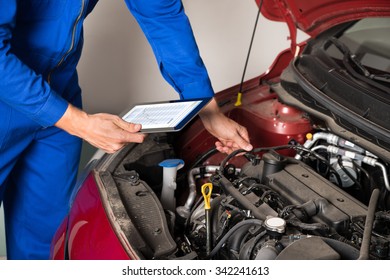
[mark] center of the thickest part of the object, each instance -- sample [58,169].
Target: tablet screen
[165,116]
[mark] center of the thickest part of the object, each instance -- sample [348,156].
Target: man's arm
[27,92]
[230,134]
[170,35]
[20,87]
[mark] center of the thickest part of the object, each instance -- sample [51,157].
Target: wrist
[209,110]
[73,120]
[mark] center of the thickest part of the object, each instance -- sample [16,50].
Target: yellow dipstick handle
[239,100]
[206,192]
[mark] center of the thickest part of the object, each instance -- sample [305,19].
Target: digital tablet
[165,116]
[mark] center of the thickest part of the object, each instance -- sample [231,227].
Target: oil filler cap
[275,225]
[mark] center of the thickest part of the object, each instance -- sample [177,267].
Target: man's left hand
[231,135]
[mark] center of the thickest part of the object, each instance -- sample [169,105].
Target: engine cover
[299,184]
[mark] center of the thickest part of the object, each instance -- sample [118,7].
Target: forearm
[170,35]
[209,112]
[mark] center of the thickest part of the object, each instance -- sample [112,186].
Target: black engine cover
[299,184]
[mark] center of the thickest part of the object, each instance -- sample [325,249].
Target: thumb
[130,127]
[242,139]
[243,144]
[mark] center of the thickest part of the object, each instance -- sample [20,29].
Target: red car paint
[314,17]
[90,235]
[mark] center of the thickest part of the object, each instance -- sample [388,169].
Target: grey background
[118,68]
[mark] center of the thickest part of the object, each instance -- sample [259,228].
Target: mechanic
[42,124]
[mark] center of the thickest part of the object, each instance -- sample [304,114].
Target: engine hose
[235,242]
[343,247]
[185,210]
[203,157]
[253,222]
[246,251]
[365,248]
[268,251]
[228,187]
[305,226]
[215,212]
[231,155]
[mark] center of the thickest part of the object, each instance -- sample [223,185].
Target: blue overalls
[40,46]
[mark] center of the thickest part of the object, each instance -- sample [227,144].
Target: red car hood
[315,16]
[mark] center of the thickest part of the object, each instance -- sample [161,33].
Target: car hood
[313,17]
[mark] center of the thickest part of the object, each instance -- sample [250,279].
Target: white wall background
[118,68]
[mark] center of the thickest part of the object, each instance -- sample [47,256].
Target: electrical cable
[203,157]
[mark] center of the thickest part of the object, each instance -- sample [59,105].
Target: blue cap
[171,162]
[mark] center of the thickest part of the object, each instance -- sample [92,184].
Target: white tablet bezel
[181,115]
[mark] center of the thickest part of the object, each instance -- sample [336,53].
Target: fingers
[110,149]
[227,147]
[223,148]
[124,136]
[130,127]
[231,135]
[112,144]
[130,131]
[110,133]
[238,140]
[104,131]
[242,139]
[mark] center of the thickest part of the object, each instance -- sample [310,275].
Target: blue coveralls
[40,46]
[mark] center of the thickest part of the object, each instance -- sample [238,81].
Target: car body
[314,187]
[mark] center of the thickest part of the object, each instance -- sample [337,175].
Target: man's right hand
[104,131]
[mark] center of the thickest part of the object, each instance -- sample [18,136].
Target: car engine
[278,207]
[328,201]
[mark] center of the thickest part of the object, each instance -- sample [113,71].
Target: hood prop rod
[239,94]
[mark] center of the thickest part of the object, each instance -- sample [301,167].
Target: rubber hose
[215,207]
[235,242]
[232,231]
[309,227]
[365,248]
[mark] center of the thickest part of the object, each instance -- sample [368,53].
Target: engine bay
[315,186]
[329,201]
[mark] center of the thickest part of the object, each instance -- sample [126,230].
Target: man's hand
[104,131]
[230,134]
